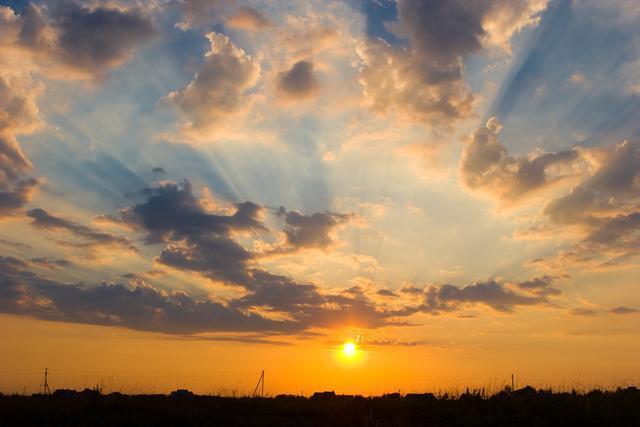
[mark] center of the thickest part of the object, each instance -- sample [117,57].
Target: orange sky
[193,191]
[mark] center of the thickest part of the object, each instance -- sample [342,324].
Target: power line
[260,384]
[45,386]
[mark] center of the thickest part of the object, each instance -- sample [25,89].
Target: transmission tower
[260,386]
[45,386]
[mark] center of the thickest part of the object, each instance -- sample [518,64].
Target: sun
[349,349]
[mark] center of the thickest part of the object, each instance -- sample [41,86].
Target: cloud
[581,311]
[620,310]
[219,89]
[487,167]
[13,196]
[199,241]
[99,39]
[82,42]
[424,82]
[87,237]
[604,208]
[199,13]
[19,114]
[204,243]
[140,307]
[298,82]
[65,41]
[494,294]
[313,231]
[247,18]
[51,263]
[540,286]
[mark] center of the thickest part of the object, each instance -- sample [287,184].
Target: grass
[527,406]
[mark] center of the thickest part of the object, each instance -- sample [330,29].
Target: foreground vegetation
[521,407]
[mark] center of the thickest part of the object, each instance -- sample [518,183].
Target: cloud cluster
[141,307]
[66,41]
[219,89]
[203,243]
[602,206]
[424,82]
[486,166]
[19,115]
[605,208]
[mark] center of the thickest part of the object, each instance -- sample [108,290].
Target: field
[523,407]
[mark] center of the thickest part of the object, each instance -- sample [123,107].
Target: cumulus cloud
[486,166]
[425,81]
[604,208]
[219,89]
[298,82]
[19,115]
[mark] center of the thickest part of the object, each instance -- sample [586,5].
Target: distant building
[323,395]
[421,396]
[181,393]
[63,392]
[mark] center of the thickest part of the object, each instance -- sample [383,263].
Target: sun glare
[349,349]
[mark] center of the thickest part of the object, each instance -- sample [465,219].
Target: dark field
[524,407]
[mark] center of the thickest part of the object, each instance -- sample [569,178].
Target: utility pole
[45,386]
[259,385]
[513,383]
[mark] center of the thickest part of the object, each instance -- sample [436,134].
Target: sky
[192,191]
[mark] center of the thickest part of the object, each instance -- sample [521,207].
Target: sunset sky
[192,191]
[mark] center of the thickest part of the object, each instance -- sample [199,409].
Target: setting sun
[349,349]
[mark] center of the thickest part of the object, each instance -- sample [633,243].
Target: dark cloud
[298,82]
[87,237]
[494,294]
[200,242]
[486,166]
[442,30]
[386,293]
[51,263]
[141,307]
[88,40]
[159,170]
[14,196]
[173,212]
[620,310]
[16,245]
[310,231]
[580,311]
[100,38]
[541,286]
